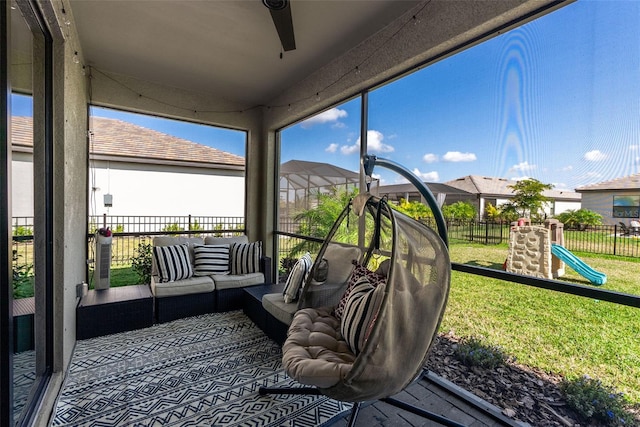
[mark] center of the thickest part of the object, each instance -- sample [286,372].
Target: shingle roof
[490,186]
[22,131]
[631,182]
[435,187]
[117,138]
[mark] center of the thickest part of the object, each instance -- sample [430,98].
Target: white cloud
[332,115]
[430,158]
[523,167]
[634,147]
[595,156]
[567,168]
[374,144]
[350,149]
[332,148]
[427,176]
[519,178]
[424,176]
[456,156]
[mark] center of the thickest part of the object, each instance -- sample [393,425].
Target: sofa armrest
[265,267]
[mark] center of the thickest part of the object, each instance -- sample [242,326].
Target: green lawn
[559,333]
[121,276]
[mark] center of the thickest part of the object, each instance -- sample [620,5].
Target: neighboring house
[617,200]
[496,191]
[444,194]
[146,173]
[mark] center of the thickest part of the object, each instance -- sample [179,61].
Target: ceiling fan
[281,15]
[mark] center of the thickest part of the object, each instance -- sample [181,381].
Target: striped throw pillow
[245,257]
[360,313]
[173,262]
[210,259]
[359,272]
[297,278]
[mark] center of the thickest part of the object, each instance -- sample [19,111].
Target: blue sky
[557,99]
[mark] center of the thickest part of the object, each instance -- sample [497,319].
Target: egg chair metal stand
[397,319]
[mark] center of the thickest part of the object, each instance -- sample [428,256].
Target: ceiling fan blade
[284,24]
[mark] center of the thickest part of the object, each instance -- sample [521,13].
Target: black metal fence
[130,231]
[601,239]
[598,239]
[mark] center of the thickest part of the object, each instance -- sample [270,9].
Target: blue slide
[562,253]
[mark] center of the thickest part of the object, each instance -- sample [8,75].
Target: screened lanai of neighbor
[234,65]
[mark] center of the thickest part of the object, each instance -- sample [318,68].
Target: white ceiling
[229,48]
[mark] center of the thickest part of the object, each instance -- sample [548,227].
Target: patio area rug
[199,371]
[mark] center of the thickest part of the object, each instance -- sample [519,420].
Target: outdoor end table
[108,311]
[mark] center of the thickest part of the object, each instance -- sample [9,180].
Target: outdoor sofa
[281,307]
[194,275]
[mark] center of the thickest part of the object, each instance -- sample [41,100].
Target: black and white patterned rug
[199,371]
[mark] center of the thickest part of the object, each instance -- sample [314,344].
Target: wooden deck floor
[431,397]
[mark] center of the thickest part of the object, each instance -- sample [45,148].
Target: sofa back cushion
[340,261]
[213,240]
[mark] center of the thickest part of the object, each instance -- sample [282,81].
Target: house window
[626,206]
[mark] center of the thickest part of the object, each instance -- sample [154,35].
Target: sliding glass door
[26,176]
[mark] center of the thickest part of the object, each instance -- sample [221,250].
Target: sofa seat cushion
[231,281]
[274,304]
[192,285]
[315,352]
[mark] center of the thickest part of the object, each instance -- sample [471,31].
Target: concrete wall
[153,190]
[22,188]
[69,193]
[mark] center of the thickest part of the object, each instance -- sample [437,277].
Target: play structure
[539,251]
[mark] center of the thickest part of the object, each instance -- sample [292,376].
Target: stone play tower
[530,249]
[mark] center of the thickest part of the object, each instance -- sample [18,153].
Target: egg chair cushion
[315,352]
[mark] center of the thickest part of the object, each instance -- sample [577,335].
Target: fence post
[104,220]
[189,226]
[615,237]
[486,232]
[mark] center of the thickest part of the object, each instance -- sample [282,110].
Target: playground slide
[562,253]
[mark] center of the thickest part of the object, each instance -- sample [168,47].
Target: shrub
[473,352]
[579,219]
[594,401]
[22,278]
[22,231]
[461,211]
[141,262]
[173,227]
